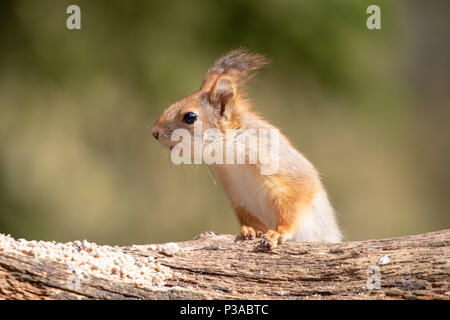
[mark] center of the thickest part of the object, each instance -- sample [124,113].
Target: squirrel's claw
[249,233]
[271,239]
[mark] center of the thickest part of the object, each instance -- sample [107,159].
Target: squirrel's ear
[222,94]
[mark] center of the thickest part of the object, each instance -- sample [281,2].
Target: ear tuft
[240,64]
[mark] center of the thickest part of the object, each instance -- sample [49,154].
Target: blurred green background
[77,160]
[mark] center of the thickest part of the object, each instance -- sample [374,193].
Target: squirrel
[291,204]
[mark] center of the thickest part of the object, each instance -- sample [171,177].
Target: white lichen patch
[85,258]
[384,260]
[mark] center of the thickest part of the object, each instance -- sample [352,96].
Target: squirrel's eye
[189,117]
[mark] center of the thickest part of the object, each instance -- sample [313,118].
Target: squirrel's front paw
[272,238]
[249,233]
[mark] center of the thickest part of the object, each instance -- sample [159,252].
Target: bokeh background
[370,109]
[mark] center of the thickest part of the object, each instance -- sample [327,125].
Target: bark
[226,267]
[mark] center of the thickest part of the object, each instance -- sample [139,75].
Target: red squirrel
[290,204]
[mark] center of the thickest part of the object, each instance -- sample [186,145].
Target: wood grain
[225,267]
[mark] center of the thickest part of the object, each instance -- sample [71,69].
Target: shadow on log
[224,267]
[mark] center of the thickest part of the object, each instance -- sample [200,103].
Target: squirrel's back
[320,223]
[250,190]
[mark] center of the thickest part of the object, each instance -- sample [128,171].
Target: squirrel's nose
[155,132]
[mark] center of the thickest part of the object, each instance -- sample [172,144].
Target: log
[225,267]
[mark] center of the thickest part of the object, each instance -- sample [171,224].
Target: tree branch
[225,267]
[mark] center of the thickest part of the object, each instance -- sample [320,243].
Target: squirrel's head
[219,103]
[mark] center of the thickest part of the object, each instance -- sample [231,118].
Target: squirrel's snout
[155,132]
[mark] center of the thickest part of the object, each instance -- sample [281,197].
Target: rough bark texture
[225,267]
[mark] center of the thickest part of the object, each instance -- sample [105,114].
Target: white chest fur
[246,191]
